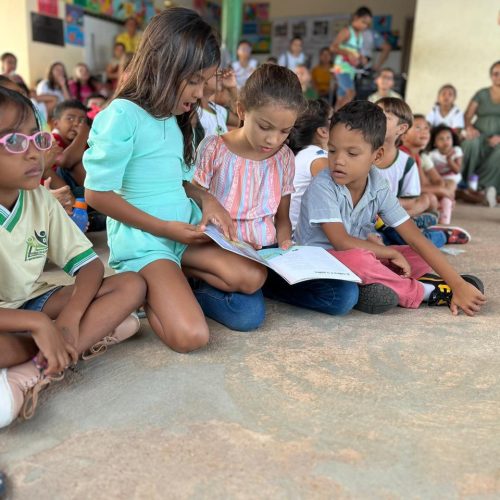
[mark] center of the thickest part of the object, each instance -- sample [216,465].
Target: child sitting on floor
[250,170]
[384,82]
[445,112]
[308,142]
[414,142]
[341,205]
[43,327]
[71,132]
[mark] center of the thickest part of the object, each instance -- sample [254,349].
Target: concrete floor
[404,405]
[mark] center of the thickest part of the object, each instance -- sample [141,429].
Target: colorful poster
[48,7]
[74,25]
[259,36]
[382,24]
[255,12]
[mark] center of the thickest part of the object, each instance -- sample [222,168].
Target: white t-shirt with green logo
[36,229]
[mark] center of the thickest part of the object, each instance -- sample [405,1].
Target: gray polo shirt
[327,201]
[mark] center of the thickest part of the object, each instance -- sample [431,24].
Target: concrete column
[232,19]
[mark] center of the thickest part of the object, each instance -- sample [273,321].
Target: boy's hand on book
[468,298]
[56,350]
[188,234]
[398,260]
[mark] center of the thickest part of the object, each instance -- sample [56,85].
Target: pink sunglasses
[19,143]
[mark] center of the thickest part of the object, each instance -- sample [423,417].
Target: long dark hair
[175,46]
[53,85]
[314,116]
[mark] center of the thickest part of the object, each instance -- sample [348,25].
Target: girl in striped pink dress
[250,170]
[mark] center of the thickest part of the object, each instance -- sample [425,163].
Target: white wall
[454,41]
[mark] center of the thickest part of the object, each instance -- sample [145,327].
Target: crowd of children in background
[277,162]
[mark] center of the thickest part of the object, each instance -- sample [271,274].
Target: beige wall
[42,55]
[14,34]
[400,9]
[457,49]
[33,57]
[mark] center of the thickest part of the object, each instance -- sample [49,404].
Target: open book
[297,264]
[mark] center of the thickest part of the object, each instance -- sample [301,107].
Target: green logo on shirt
[36,246]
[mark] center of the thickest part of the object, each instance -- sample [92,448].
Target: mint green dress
[140,158]
[479,157]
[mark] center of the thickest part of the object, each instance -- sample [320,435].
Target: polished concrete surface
[402,405]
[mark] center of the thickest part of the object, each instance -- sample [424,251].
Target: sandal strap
[99,347]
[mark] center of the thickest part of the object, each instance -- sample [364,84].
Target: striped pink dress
[250,190]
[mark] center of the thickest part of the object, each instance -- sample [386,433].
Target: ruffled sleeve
[111,144]
[205,168]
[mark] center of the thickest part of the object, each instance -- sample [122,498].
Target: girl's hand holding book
[185,233]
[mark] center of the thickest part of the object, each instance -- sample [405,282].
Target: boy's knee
[187,338]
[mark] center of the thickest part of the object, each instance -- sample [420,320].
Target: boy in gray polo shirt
[340,207]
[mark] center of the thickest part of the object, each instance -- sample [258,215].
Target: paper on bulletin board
[74,34]
[316,32]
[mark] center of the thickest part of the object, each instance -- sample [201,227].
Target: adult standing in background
[373,41]
[293,55]
[131,36]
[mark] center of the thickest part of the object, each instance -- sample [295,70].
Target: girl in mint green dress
[138,174]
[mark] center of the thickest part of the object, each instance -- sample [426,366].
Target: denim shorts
[38,303]
[345,82]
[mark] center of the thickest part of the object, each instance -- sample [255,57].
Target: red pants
[371,270]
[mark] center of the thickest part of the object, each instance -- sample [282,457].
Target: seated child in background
[445,112]
[95,103]
[250,170]
[52,323]
[213,117]
[244,66]
[304,76]
[446,154]
[341,205]
[321,74]
[414,142]
[401,172]
[308,142]
[71,132]
[384,82]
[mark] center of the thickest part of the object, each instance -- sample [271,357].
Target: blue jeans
[391,237]
[333,297]
[237,311]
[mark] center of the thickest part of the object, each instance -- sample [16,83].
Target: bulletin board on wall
[257,29]
[316,32]
[142,10]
